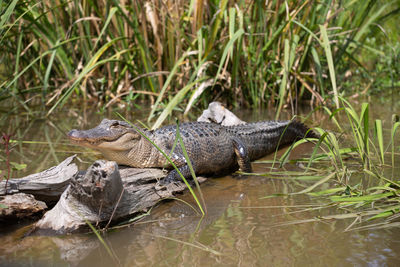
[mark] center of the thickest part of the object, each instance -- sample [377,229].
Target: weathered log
[106,193]
[19,206]
[47,185]
[217,113]
[25,195]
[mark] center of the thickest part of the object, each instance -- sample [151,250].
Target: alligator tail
[300,130]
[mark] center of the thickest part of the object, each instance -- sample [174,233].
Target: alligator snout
[76,134]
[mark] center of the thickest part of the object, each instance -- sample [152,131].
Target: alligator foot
[239,176]
[160,186]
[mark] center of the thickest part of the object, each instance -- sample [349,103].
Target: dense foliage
[254,53]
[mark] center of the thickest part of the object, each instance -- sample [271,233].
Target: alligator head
[113,138]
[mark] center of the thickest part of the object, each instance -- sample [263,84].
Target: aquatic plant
[5,138]
[353,178]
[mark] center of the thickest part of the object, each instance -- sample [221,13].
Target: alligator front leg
[242,155]
[173,176]
[180,162]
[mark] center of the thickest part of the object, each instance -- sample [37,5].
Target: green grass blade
[333,118]
[320,182]
[315,150]
[382,215]
[367,198]
[48,70]
[283,85]
[293,46]
[216,26]
[174,102]
[189,163]
[318,68]
[284,158]
[89,67]
[100,239]
[379,136]
[393,133]
[327,191]
[6,15]
[371,19]
[228,48]
[365,136]
[166,84]
[275,36]
[334,147]
[199,45]
[103,30]
[331,67]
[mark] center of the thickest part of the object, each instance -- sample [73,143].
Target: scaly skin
[212,148]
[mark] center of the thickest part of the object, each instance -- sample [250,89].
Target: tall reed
[179,53]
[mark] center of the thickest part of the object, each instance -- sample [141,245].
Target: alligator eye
[115,124]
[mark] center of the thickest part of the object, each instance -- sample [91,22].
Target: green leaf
[393,132]
[18,166]
[174,102]
[320,182]
[7,13]
[228,47]
[283,85]
[327,191]
[362,198]
[382,215]
[379,136]
[331,67]
[166,84]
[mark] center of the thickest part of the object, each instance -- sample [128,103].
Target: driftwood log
[217,113]
[109,193]
[106,193]
[26,197]
[47,185]
[20,206]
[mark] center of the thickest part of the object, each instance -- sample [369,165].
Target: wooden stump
[106,194]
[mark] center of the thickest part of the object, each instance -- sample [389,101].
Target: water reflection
[237,233]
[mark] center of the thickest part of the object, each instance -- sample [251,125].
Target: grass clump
[179,53]
[354,178]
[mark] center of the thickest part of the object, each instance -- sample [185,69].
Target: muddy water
[241,228]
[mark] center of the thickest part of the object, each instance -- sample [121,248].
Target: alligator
[212,148]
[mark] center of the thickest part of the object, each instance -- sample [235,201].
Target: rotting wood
[25,196]
[47,185]
[19,206]
[95,197]
[217,113]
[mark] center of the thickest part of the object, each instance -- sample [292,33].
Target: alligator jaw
[78,137]
[107,134]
